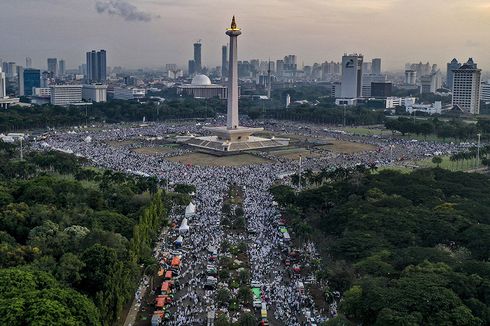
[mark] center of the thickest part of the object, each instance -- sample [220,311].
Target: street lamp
[478,151]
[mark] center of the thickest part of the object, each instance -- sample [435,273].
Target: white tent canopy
[179,240]
[190,210]
[184,227]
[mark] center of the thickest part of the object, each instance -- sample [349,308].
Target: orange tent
[165,287]
[161,272]
[176,261]
[160,302]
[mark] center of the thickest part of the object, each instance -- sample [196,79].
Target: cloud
[123,9]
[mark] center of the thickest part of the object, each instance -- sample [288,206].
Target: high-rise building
[197,57]
[430,83]
[485,91]
[279,67]
[10,69]
[381,90]
[53,66]
[94,93]
[410,77]
[191,67]
[28,62]
[61,67]
[376,66]
[351,76]
[466,87]
[32,79]
[20,81]
[3,87]
[451,66]
[224,61]
[102,66]
[96,66]
[64,95]
[367,80]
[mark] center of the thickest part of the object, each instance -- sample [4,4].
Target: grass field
[152,150]
[462,166]
[294,153]
[211,160]
[120,143]
[346,147]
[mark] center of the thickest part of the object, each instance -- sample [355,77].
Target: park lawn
[465,165]
[204,159]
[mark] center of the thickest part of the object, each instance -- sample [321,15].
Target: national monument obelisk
[233,137]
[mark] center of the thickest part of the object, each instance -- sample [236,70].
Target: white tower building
[466,87]
[351,76]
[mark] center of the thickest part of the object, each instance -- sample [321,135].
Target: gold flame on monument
[233,25]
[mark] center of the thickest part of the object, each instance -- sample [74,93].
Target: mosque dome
[201,80]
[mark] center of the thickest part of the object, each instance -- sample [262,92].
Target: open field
[364,131]
[346,147]
[152,150]
[120,143]
[294,153]
[461,166]
[204,159]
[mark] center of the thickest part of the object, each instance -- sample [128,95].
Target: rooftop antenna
[269,80]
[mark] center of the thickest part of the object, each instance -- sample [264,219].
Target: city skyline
[315,31]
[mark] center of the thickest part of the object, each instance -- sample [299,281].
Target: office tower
[191,67]
[351,75]
[3,88]
[94,93]
[485,91]
[96,66]
[61,67]
[367,67]
[28,62]
[10,70]
[367,80]
[197,57]
[102,66]
[279,67]
[451,66]
[290,63]
[376,66]
[410,77]
[32,79]
[53,66]
[224,61]
[381,90]
[20,81]
[430,83]
[466,87]
[64,95]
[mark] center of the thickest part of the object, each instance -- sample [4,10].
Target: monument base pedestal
[234,140]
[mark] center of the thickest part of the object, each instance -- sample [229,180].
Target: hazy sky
[151,33]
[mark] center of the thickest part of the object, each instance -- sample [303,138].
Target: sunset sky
[151,33]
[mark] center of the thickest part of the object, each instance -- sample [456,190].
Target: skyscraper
[32,78]
[376,66]
[197,57]
[20,81]
[466,87]
[3,89]
[28,62]
[53,66]
[61,67]
[410,77]
[191,67]
[451,66]
[102,65]
[224,62]
[351,75]
[96,66]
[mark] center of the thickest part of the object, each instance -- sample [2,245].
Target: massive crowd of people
[192,301]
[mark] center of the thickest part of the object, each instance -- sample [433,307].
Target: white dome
[201,80]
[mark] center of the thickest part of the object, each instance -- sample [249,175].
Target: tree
[437,160]
[223,297]
[247,319]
